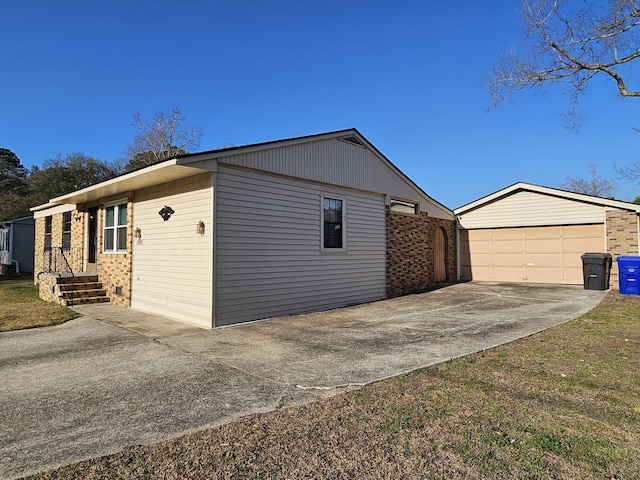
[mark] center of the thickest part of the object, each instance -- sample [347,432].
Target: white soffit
[147,177]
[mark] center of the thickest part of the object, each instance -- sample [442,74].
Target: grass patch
[564,403]
[21,308]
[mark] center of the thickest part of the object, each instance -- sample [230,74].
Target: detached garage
[530,233]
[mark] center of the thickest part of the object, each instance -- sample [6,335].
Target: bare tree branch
[571,45]
[594,186]
[161,138]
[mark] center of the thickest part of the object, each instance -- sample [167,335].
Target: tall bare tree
[570,43]
[595,186]
[161,138]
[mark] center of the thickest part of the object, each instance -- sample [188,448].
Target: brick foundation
[411,255]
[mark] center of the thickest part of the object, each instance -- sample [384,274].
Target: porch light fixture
[200,228]
[137,233]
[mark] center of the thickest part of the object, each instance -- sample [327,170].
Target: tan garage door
[528,254]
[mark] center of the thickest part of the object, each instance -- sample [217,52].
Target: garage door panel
[477,247]
[479,259]
[573,274]
[507,246]
[572,260]
[507,234]
[544,274]
[583,245]
[533,254]
[543,260]
[547,245]
[478,235]
[584,232]
[543,232]
[508,274]
[507,260]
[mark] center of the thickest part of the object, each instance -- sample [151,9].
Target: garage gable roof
[554,192]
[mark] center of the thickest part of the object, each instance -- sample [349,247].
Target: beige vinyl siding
[268,258]
[172,264]
[526,208]
[340,163]
[528,254]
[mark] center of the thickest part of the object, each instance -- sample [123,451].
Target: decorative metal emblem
[166,213]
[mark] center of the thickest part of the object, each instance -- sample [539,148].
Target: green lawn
[21,307]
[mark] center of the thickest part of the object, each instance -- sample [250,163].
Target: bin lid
[628,259]
[598,255]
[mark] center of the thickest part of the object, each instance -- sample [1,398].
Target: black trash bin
[596,268]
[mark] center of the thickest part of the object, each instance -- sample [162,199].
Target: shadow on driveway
[90,387]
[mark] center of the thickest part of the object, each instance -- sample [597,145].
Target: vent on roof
[352,139]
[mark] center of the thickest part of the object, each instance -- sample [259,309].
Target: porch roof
[169,170]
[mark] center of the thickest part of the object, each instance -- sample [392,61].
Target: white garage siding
[268,258]
[172,263]
[528,254]
[526,208]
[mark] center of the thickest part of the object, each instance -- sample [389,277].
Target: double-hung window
[47,232]
[333,225]
[66,231]
[114,238]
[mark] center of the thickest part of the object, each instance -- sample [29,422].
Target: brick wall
[410,252]
[74,256]
[622,238]
[38,253]
[114,269]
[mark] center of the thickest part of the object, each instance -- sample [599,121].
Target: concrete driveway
[91,387]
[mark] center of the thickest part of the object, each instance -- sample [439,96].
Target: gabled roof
[554,192]
[187,165]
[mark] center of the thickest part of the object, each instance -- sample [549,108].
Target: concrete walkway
[117,377]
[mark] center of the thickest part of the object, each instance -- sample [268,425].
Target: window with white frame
[66,231]
[47,232]
[114,232]
[404,206]
[333,228]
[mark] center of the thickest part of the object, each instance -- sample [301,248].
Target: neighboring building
[16,245]
[247,233]
[529,233]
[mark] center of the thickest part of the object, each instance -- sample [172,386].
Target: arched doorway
[440,256]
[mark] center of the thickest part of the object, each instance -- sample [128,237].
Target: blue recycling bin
[629,275]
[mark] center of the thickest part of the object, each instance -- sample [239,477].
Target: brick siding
[622,238]
[410,252]
[114,269]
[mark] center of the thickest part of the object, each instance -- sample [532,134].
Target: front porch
[69,288]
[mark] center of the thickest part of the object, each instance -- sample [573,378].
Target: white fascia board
[605,202]
[53,209]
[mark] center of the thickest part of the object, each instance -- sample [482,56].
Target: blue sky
[409,75]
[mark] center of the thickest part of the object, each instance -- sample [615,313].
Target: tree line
[161,138]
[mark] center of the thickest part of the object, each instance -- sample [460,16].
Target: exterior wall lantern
[200,228]
[137,233]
